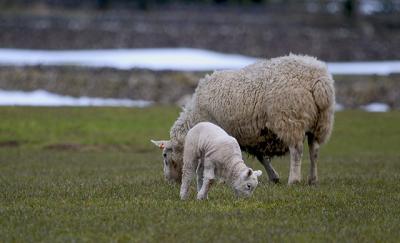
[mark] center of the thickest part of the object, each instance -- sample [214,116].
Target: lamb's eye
[164,155]
[248,187]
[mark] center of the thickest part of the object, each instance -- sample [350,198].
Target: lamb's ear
[258,173]
[249,172]
[161,143]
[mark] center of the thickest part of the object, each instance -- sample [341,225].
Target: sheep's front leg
[272,174]
[207,182]
[313,147]
[200,175]
[296,152]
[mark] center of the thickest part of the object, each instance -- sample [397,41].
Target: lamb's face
[172,170]
[247,183]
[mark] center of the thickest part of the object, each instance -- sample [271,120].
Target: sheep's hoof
[276,180]
[312,181]
[294,182]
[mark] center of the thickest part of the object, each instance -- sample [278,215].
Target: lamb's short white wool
[212,154]
[270,107]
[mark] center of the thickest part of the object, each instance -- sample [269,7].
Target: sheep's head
[247,182]
[171,161]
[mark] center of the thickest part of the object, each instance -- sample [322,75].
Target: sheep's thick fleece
[269,107]
[286,96]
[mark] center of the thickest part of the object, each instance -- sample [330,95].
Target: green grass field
[91,174]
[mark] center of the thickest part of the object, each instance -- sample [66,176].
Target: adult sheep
[269,107]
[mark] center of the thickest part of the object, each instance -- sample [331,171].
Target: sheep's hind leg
[313,148]
[272,174]
[296,152]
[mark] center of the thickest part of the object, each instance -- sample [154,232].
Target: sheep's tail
[324,97]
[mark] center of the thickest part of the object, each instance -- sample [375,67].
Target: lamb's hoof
[202,197]
[276,180]
[184,197]
[312,181]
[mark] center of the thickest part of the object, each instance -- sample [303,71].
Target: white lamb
[270,107]
[213,154]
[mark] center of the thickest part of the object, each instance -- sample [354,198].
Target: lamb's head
[247,182]
[172,160]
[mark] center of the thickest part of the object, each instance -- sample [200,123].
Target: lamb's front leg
[186,179]
[207,182]
[296,152]
[188,170]
[203,193]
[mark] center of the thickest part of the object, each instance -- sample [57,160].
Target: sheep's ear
[258,173]
[161,143]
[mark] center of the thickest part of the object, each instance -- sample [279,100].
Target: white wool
[269,107]
[211,148]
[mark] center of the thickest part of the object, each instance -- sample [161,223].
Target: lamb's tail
[324,97]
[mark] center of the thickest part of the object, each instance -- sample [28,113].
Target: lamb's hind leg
[200,175]
[296,152]
[272,174]
[313,147]
[208,179]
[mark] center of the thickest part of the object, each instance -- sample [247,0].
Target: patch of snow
[333,7]
[184,59]
[44,98]
[376,107]
[180,59]
[365,68]
[339,107]
[369,7]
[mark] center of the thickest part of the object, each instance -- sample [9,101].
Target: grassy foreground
[90,174]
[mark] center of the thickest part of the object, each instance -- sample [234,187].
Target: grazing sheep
[269,107]
[213,154]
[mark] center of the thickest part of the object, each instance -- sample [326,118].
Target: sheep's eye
[164,155]
[248,186]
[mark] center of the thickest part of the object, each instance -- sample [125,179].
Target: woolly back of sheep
[266,106]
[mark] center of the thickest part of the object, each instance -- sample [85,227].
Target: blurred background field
[333,31]
[264,28]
